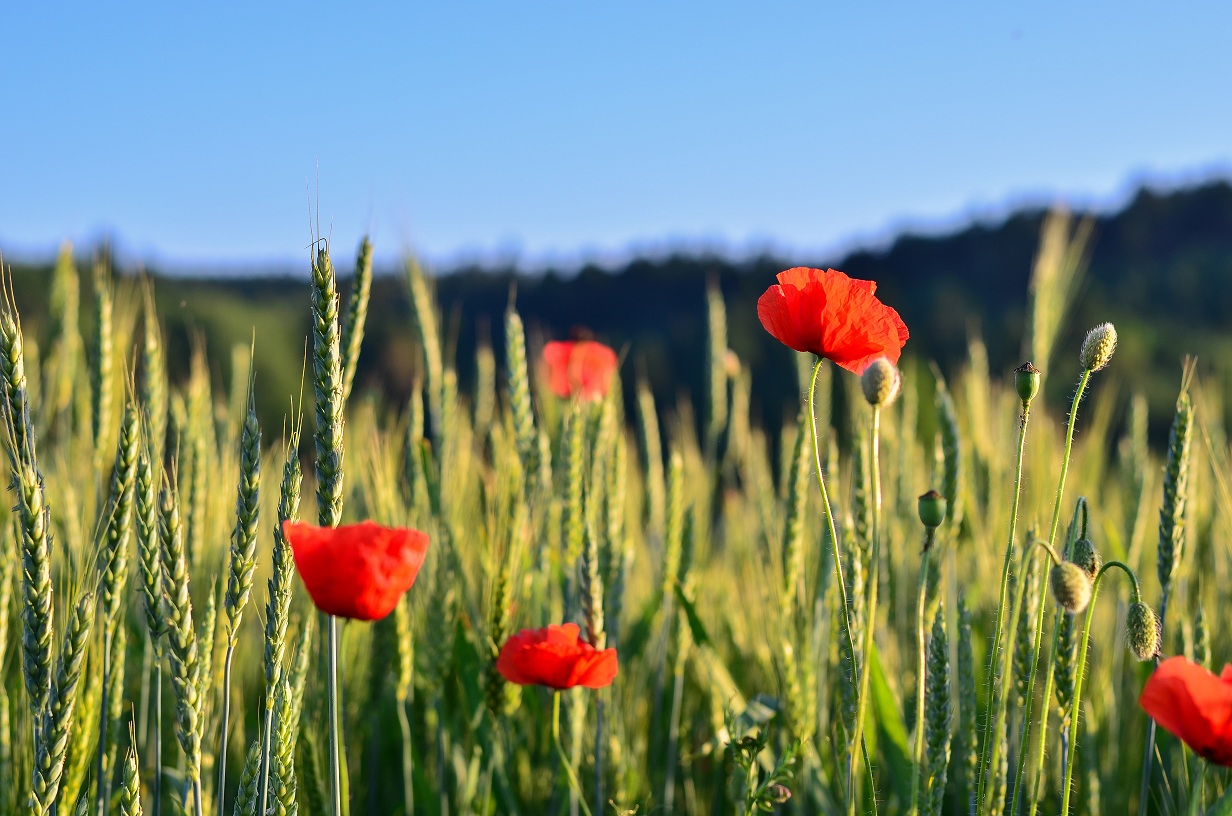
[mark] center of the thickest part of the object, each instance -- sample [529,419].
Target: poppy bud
[1026,382]
[1098,347]
[880,382]
[1086,556]
[1142,631]
[1070,586]
[932,507]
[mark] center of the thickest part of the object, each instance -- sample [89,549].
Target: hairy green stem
[1039,615]
[1080,671]
[838,571]
[334,734]
[921,670]
[870,615]
[992,747]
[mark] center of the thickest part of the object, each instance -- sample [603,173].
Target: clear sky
[548,131]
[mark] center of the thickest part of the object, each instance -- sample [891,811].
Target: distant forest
[1160,270]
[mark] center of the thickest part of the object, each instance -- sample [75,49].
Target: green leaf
[724,685]
[891,728]
[1223,806]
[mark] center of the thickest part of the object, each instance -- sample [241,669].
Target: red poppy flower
[356,570]
[833,316]
[1193,704]
[555,657]
[582,369]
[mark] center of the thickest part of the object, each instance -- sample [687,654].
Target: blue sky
[549,131]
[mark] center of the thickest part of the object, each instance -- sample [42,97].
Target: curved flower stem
[992,746]
[564,755]
[921,670]
[335,737]
[838,571]
[1076,706]
[870,623]
[1039,615]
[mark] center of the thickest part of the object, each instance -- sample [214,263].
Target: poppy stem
[994,724]
[1076,705]
[1039,619]
[921,673]
[838,568]
[334,735]
[564,755]
[870,624]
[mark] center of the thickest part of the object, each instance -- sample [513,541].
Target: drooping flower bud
[1086,556]
[1098,347]
[778,794]
[933,508]
[1070,586]
[1142,631]
[880,382]
[1027,381]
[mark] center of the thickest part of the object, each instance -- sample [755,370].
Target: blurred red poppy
[356,570]
[833,316]
[583,369]
[1194,705]
[555,657]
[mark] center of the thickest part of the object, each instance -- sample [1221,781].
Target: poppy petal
[357,571]
[555,657]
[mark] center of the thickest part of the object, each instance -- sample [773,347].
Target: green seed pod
[1070,586]
[880,382]
[1027,382]
[1142,631]
[1086,556]
[1098,347]
[932,506]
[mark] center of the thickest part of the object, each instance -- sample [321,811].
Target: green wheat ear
[1172,511]
[356,316]
[327,388]
[33,517]
[246,793]
[57,718]
[520,406]
[130,793]
[100,371]
[247,518]
[937,715]
[117,524]
[181,634]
